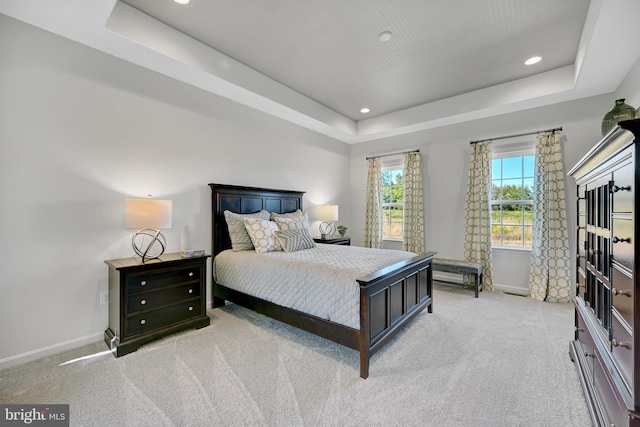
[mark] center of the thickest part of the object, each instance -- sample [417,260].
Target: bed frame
[389,298]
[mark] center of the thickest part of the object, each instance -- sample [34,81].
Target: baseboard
[39,353]
[511,290]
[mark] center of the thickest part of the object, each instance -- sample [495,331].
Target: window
[392,202]
[512,200]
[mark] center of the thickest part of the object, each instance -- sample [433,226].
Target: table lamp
[327,214]
[148,216]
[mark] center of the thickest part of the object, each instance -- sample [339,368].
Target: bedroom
[82,130]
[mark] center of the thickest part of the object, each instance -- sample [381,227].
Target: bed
[388,298]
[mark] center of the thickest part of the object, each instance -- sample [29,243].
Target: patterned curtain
[550,273]
[477,225]
[413,230]
[373,219]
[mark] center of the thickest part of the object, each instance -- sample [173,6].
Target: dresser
[154,299]
[605,348]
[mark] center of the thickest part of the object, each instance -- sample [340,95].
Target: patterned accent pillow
[295,213]
[262,236]
[295,240]
[240,240]
[296,222]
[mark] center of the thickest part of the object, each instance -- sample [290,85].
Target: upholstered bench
[466,268]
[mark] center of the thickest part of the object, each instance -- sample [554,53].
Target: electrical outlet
[104,298]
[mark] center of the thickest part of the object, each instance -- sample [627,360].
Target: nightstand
[334,240]
[151,300]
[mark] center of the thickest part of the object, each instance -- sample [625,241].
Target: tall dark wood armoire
[608,285]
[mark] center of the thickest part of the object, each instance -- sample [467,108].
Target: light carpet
[499,360]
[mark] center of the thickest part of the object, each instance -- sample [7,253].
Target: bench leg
[477,284]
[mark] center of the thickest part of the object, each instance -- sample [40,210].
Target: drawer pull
[142,322]
[616,188]
[617,343]
[190,291]
[144,282]
[587,354]
[143,302]
[578,329]
[191,274]
[616,240]
[626,292]
[190,308]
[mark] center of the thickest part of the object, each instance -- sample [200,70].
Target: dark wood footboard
[389,299]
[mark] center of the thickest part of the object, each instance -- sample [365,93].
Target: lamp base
[327,229]
[150,248]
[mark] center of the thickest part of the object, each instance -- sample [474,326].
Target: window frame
[391,165]
[521,150]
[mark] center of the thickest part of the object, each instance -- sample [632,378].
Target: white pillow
[297,222]
[240,240]
[261,233]
[295,213]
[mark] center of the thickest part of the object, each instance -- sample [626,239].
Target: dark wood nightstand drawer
[151,300]
[152,319]
[153,279]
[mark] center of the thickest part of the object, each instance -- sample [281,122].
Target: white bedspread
[319,281]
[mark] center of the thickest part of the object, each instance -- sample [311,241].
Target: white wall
[80,132]
[445,155]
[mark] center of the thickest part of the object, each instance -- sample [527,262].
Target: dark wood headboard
[245,200]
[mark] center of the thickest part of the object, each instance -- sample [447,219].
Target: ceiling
[316,63]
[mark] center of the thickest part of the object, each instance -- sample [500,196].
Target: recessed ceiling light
[182,1]
[533,60]
[385,36]
[364,110]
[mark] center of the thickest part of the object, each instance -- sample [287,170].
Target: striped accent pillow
[295,240]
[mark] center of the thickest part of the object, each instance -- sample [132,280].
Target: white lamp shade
[328,212]
[147,213]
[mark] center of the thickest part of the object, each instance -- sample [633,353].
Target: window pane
[512,214]
[386,195]
[496,169]
[511,167]
[511,235]
[528,189]
[529,164]
[528,214]
[495,214]
[496,235]
[386,178]
[496,190]
[528,235]
[512,189]
[396,177]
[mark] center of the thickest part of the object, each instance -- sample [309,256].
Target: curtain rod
[517,135]
[393,154]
